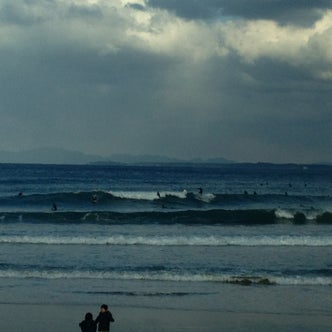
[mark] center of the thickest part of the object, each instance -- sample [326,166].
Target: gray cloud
[300,12]
[125,78]
[25,12]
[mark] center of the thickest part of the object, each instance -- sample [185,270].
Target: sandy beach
[65,318]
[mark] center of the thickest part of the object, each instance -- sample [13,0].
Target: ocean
[234,237]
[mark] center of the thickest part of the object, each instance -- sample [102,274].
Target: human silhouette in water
[54,207]
[88,324]
[94,199]
[200,190]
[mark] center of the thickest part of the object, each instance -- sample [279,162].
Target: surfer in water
[54,207]
[200,191]
[94,199]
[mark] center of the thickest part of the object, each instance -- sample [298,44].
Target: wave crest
[266,280]
[213,241]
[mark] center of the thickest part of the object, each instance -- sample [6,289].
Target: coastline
[65,318]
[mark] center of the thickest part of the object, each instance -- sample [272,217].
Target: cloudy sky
[248,80]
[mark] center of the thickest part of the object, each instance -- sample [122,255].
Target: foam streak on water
[123,240]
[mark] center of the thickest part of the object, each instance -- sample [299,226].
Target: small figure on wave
[94,199]
[54,207]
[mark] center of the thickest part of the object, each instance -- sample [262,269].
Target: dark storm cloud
[301,12]
[108,77]
[73,95]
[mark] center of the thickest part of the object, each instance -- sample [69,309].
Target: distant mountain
[63,156]
[142,159]
[47,156]
[157,159]
[219,160]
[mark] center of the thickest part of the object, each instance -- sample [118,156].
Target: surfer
[94,199]
[158,194]
[200,190]
[54,207]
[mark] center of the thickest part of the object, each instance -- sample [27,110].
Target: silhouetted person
[88,324]
[158,194]
[104,319]
[20,194]
[94,199]
[54,207]
[200,190]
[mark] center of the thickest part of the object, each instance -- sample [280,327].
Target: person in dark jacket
[104,319]
[88,324]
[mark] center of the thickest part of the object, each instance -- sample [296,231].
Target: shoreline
[66,317]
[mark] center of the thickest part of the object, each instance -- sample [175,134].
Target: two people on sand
[102,321]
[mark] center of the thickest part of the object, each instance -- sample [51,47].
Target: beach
[237,309]
[65,318]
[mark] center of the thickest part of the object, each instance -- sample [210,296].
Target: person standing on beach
[104,319]
[88,324]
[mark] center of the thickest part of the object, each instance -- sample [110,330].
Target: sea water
[235,237]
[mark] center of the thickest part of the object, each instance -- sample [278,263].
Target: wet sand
[65,318]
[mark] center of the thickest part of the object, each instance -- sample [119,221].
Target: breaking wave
[245,280]
[213,241]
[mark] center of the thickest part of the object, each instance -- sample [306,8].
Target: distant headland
[63,156]
[49,155]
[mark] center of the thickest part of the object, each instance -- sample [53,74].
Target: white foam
[166,276]
[284,214]
[303,281]
[288,214]
[207,198]
[250,241]
[147,195]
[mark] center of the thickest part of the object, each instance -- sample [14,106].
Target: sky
[247,80]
